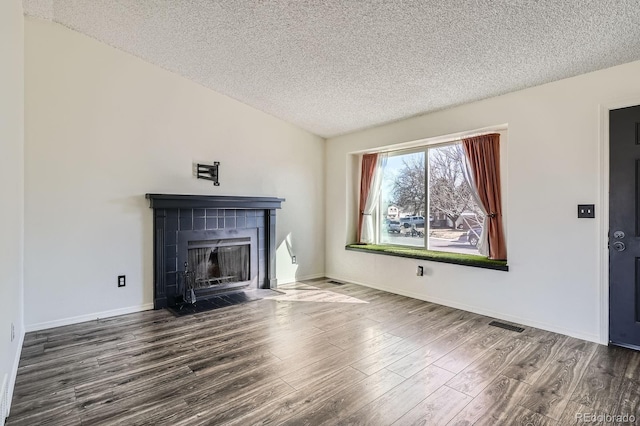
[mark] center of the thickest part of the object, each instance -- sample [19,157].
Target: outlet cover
[420,271]
[121,281]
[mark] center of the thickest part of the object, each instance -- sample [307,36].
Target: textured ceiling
[335,66]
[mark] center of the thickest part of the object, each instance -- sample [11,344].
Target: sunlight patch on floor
[300,292]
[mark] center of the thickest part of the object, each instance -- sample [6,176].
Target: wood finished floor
[321,354]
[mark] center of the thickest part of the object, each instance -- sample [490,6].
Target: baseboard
[89,317]
[317,277]
[302,278]
[14,372]
[493,314]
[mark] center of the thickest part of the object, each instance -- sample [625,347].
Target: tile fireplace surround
[177,216]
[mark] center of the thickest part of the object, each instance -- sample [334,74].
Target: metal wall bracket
[209,172]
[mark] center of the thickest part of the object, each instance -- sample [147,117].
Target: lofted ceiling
[335,66]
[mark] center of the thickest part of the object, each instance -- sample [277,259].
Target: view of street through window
[429,179]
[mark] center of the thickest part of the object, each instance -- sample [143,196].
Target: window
[426,200]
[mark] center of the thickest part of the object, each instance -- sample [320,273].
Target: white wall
[11,184]
[102,129]
[553,164]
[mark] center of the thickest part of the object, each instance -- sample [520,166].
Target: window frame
[425,148]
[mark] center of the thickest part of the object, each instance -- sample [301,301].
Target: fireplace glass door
[219,265]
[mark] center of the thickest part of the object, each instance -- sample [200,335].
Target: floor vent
[335,282]
[4,400]
[506,326]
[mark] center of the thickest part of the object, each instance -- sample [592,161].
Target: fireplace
[217,261]
[210,245]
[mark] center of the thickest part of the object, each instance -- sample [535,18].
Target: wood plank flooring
[319,354]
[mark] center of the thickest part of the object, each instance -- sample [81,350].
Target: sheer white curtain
[367,232]
[483,240]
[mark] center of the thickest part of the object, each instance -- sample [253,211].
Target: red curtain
[483,155]
[369,162]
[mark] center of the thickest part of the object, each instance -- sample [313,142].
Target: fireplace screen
[218,265]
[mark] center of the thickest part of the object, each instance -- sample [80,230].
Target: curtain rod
[434,141]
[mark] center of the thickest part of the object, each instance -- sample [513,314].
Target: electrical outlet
[121,281]
[420,271]
[13,332]
[294,260]
[587,211]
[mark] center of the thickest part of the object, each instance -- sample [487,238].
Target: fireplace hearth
[205,246]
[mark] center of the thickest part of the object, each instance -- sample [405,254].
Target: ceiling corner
[38,8]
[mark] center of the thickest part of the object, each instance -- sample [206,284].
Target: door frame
[603,239]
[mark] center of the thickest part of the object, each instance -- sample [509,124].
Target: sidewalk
[448,234]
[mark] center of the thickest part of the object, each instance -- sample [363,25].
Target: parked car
[412,221]
[393,227]
[473,235]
